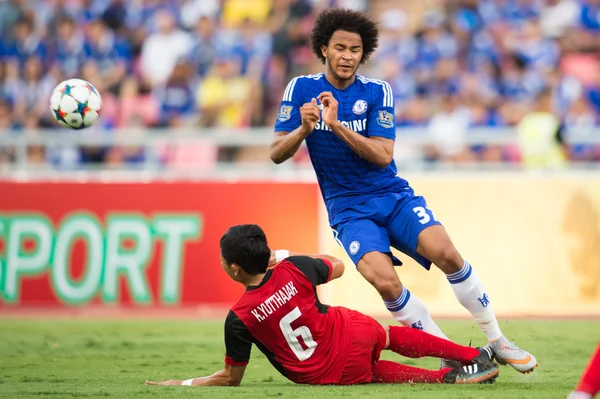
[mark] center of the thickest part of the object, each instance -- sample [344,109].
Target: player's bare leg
[435,245]
[377,269]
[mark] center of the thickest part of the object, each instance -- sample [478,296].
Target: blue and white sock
[470,293]
[411,312]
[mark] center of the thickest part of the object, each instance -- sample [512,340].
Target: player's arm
[378,148]
[295,122]
[286,144]
[334,265]
[319,269]
[238,344]
[230,376]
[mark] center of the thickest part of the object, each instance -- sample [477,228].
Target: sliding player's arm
[319,269]
[336,265]
[378,147]
[238,344]
[230,376]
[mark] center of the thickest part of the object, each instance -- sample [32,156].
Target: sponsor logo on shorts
[354,247]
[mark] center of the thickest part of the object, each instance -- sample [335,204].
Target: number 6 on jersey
[291,335]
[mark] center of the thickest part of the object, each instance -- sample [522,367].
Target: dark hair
[246,246]
[334,19]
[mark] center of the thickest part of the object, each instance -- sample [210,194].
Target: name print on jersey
[356,125]
[275,301]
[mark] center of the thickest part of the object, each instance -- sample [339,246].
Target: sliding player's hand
[330,108]
[310,114]
[272,259]
[168,382]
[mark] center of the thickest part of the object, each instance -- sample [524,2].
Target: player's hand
[330,108]
[272,260]
[310,114]
[168,382]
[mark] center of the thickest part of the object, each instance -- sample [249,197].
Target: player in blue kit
[349,126]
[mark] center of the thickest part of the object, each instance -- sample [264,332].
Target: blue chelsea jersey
[366,107]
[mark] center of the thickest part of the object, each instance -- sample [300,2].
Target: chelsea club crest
[360,107]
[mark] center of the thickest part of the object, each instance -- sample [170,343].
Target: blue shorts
[394,220]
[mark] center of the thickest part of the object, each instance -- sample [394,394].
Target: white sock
[579,395]
[470,293]
[411,312]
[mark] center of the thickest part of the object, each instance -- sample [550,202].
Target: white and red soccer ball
[75,104]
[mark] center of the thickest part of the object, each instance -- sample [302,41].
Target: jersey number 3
[291,335]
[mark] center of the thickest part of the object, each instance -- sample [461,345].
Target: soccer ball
[75,104]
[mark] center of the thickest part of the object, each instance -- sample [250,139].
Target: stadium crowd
[452,64]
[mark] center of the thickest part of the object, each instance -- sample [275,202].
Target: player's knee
[448,259]
[389,288]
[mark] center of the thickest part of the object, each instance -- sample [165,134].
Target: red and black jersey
[304,339]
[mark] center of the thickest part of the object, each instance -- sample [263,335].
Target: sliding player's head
[343,39]
[244,251]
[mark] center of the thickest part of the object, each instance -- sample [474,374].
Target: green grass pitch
[112,358]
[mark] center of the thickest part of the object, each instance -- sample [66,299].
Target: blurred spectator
[58,10]
[143,14]
[593,91]
[7,154]
[224,96]
[448,131]
[435,44]
[529,45]
[163,49]
[25,43]
[69,51]
[417,113]
[253,46]
[10,12]
[115,15]
[192,11]
[6,119]
[590,19]
[580,122]
[31,99]
[107,57]
[236,12]
[226,63]
[558,16]
[520,84]
[137,104]
[204,46]
[176,97]
[541,136]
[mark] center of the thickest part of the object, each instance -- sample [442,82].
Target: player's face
[343,54]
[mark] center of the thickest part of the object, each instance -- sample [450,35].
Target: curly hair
[334,19]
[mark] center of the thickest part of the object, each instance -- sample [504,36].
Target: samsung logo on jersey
[275,301]
[357,125]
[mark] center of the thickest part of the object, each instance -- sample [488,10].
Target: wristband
[281,254]
[187,383]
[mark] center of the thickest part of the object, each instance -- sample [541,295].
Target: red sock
[386,372]
[415,343]
[590,380]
